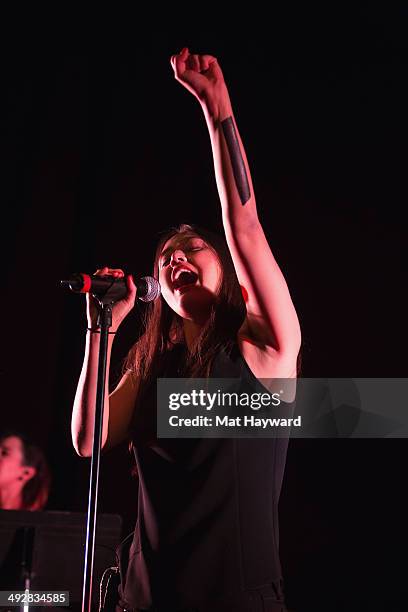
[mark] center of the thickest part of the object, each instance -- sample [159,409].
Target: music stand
[50,547]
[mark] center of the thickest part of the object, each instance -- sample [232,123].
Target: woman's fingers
[116,272]
[132,290]
[119,273]
[178,61]
[193,62]
[120,308]
[130,283]
[206,61]
[196,72]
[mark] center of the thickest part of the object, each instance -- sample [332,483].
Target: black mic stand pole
[105,321]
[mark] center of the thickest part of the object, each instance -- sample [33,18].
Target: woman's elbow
[82,450]
[82,444]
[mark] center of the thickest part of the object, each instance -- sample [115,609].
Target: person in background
[24,474]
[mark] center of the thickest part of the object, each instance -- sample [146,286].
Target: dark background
[102,149]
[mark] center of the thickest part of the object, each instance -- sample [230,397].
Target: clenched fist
[202,76]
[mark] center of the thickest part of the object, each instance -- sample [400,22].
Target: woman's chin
[194,302]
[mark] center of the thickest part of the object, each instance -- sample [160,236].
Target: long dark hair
[36,490]
[163,328]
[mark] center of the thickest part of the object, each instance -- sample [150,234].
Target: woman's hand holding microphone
[120,309]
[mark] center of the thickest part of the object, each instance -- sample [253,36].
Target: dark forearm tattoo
[238,165]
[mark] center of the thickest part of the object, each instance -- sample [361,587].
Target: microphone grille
[148,289]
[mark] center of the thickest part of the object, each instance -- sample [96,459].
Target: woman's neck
[192,330]
[11,498]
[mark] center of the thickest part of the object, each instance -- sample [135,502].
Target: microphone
[148,288]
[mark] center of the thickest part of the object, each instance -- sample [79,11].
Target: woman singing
[206,536]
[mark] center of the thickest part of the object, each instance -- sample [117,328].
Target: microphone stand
[104,321]
[26,563]
[111,291]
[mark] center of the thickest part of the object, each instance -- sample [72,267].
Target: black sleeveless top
[206,534]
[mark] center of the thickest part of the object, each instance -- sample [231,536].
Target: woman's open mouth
[185,279]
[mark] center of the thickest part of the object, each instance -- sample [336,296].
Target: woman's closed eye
[165,262]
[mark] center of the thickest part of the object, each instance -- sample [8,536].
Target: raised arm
[270,337]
